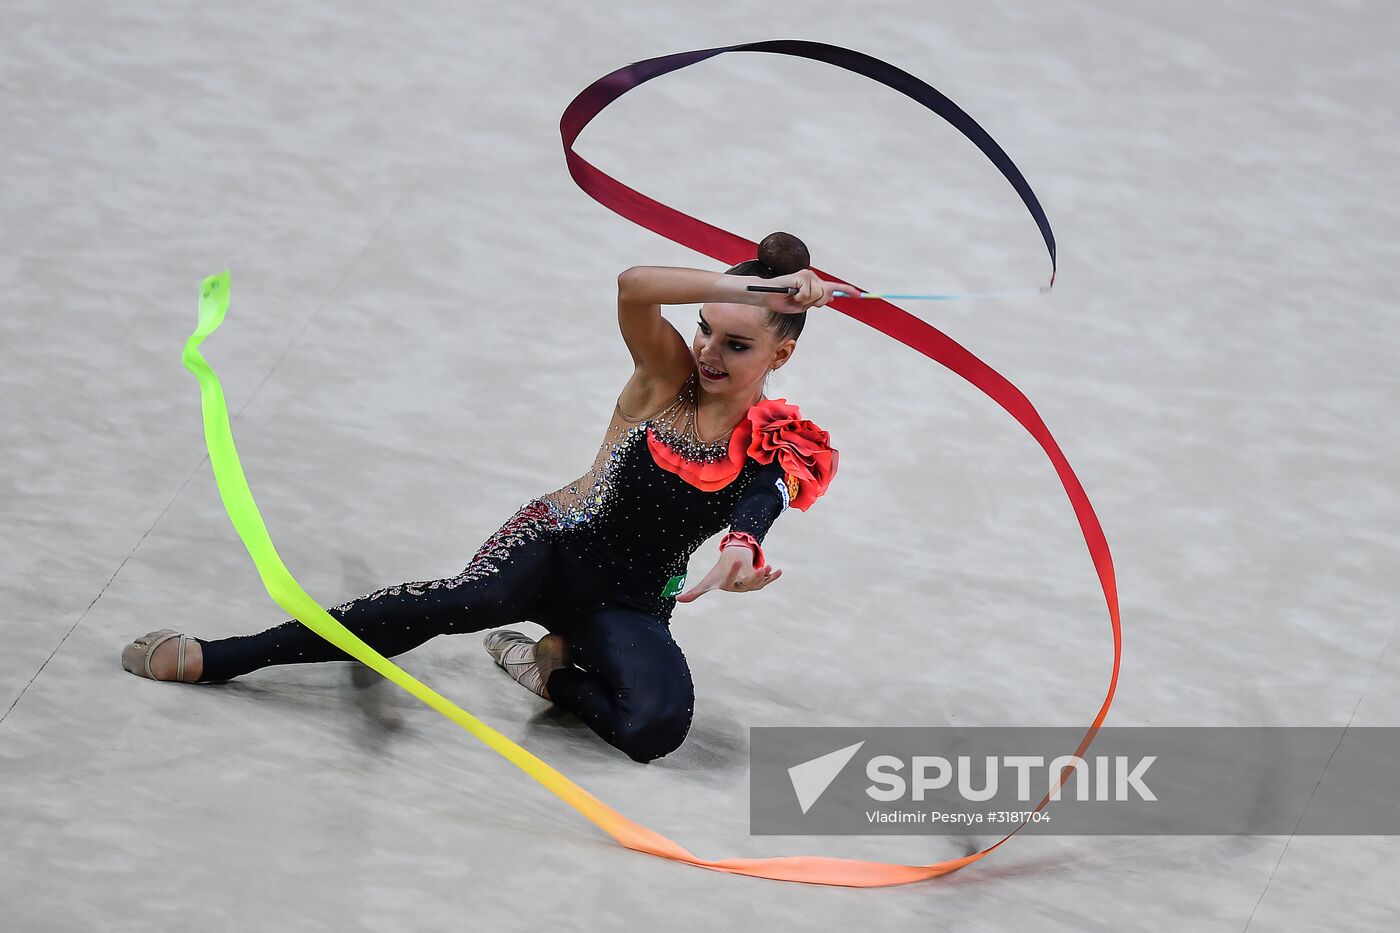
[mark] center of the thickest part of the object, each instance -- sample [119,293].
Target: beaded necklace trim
[678,427]
[674,426]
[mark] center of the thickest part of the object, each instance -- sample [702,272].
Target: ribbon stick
[959,296]
[728,248]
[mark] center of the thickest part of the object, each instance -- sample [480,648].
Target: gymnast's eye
[734,345]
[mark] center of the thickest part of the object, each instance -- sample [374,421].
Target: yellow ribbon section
[287,593]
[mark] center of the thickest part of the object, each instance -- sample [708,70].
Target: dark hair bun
[784,253]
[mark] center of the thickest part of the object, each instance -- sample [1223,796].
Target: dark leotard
[599,560]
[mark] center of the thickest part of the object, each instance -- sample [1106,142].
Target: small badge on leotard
[673,586]
[787,488]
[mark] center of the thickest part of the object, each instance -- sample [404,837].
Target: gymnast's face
[735,340]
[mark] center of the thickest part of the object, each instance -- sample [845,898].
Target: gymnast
[693,448]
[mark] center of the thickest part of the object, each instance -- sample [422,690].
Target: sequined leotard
[599,560]
[631,524]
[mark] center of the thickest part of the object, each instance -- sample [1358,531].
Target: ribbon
[721,244]
[878,313]
[726,247]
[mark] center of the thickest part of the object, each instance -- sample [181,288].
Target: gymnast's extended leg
[505,582]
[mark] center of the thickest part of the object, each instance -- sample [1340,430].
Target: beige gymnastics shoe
[528,661]
[136,657]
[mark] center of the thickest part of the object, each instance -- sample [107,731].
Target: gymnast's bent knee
[646,738]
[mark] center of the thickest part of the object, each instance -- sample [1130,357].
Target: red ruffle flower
[804,450]
[773,428]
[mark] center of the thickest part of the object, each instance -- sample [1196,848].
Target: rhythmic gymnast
[693,447]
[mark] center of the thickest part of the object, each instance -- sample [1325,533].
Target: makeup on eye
[734,344]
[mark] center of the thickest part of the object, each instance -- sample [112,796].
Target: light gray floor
[422,337]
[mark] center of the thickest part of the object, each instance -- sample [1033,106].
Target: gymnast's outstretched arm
[741,567]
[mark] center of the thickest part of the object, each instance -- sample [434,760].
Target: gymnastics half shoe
[528,661]
[136,657]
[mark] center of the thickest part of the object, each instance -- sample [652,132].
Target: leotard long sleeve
[765,498]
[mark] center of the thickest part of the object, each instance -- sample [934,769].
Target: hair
[778,254]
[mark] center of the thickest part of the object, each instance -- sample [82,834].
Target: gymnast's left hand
[809,291]
[735,572]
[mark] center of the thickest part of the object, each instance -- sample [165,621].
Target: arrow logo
[811,778]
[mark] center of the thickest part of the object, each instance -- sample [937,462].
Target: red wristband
[743,537]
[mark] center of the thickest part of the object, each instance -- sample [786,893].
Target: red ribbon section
[731,249]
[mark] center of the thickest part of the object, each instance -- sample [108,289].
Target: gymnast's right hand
[735,572]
